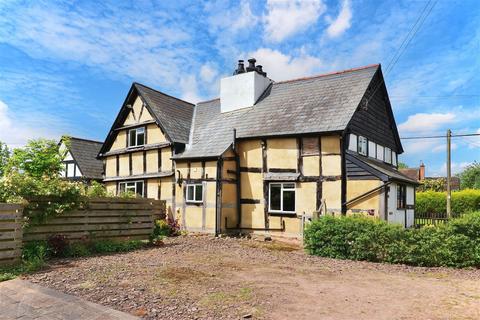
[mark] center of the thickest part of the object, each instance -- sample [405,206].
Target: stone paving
[20,299]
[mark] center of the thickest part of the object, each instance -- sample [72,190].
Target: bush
[455,244]
[430,202]
[58,245]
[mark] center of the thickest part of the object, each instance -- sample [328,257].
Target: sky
[67,66]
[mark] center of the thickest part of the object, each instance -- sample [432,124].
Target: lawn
[201,277]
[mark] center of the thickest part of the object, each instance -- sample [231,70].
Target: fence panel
[111,218]
[10,233]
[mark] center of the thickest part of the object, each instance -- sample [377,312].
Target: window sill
[282,214]
[194,203]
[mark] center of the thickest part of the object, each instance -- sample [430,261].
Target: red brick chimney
[421,171]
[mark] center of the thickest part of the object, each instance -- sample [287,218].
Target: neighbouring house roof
[412,173]
[172,115]
[383,171]
[317,104]
[84,152]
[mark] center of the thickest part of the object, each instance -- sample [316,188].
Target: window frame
[187,192]
[360,142]
[282,189]
[382,153]
[394,159]
[387,151]
[401,196]
[129,139]
[134,185]
[372,148]
[353,138]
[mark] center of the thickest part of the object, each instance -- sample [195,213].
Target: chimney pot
[251,64]
[240,68]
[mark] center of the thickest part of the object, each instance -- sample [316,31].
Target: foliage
[97,190]
[470,176]
[161,229]
[58,245]
[39,158]
[4,156]
[113,246]
[455,244]
[436,184]
[402,165]
[174,226]
[464,201]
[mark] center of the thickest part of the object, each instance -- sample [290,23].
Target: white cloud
[427,122]
[280,66]
[232,20]
[16,131]
[208,73]
[441,147]
[287,17]
[456,167]
[189,86]
[343,21]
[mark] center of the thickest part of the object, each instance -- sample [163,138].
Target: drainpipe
[237,170]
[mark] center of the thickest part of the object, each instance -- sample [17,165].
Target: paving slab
[21,299]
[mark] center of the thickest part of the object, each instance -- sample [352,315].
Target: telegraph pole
[449,173]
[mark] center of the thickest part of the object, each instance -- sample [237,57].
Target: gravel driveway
[201,277]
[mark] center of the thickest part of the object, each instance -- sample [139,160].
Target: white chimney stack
[243,89]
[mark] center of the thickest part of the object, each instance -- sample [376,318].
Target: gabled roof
[319,104]
[379,169]
[172,115]
[84,152]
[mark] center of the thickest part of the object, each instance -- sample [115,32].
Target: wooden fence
[111,218]
[432,218]
[10,233]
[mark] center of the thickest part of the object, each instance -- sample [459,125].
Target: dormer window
[362,145]
[136,137]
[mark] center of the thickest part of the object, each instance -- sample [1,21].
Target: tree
[402,165]
[37,159]
[4,156]
[470,176]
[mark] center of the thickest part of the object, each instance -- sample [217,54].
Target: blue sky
[65,67]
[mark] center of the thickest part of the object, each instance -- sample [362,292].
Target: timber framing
[152,146]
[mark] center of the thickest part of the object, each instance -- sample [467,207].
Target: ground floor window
[401,196]
[135,187]
[282,197]
[195,192]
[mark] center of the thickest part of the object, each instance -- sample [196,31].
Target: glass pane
[352,143]
[275,193]
[198,192]
[132,138]
[372,149]
[140,139]
[190,192]
[140,188]
[288,186]
[70,168]
[122,187]
[289,201]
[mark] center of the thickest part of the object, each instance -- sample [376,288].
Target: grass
[220,299]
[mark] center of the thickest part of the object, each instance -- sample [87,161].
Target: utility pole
[449,173]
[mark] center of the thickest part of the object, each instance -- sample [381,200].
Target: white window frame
[388,155]
[294,189]
[193,199]
[372,149]
[394,158]
[353,142]
[142,129]
[127,187]
[380,152]
[362,142]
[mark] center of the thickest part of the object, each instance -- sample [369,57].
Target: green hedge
[455,244]
[464,201]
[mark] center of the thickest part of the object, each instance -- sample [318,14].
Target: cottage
[264,155]
[80,162]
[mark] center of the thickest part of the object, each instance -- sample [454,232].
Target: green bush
[463,201]
[455,244]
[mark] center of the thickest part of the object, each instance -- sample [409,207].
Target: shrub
[464,201]
[57,245]
[455,244]
[96,189]
[112,246]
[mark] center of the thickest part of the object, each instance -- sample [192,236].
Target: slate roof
[382,170]
[84,152]
[173,114]
[318,104]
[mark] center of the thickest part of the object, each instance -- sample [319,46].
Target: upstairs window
[388,155]
[380,152]
[372,149]
[362,145]
[194,193]
[136,137]
[135,187]
[352,142]
[282,197]
[394,158]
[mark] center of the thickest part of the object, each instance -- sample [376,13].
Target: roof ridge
[89,140]
[165,94]
[330,73]
[208,100]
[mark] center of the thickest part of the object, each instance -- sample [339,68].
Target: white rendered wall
[242,90]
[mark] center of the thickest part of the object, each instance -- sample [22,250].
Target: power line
[442,136]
